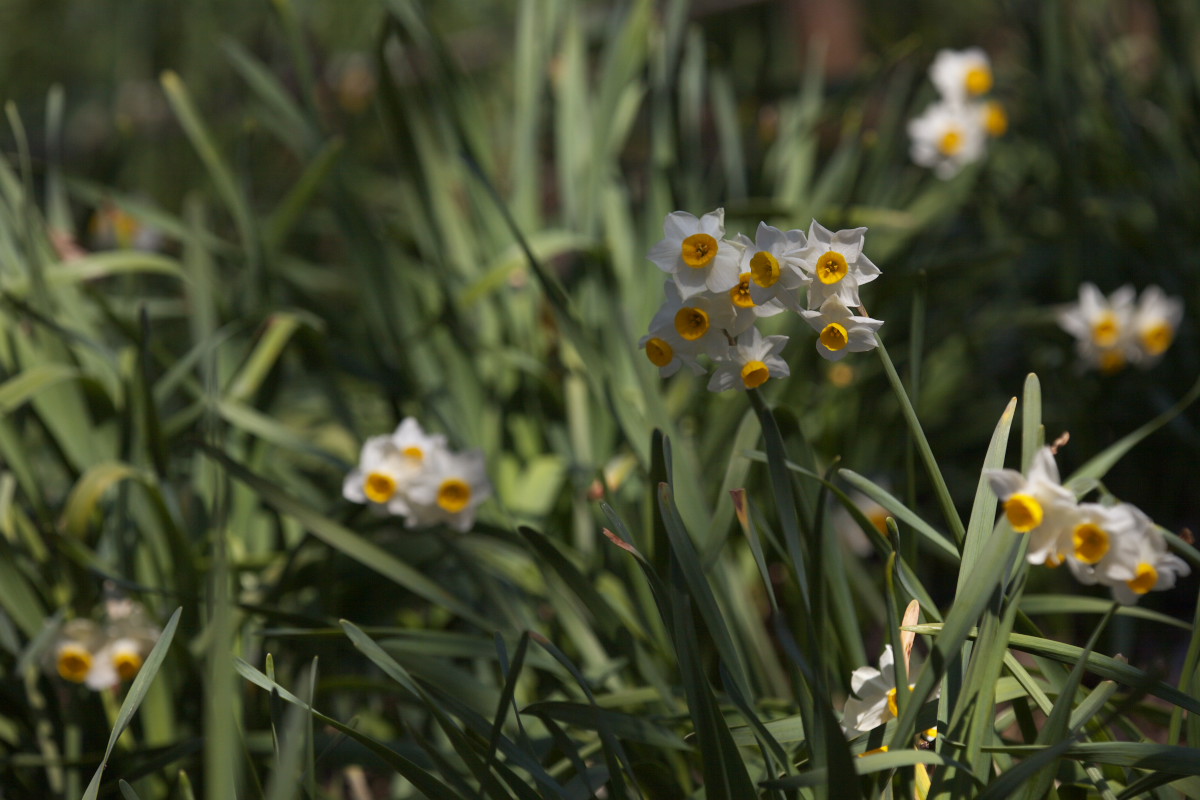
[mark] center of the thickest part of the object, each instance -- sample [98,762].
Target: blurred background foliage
[341,191]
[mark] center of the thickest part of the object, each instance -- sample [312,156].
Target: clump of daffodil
[954,130]
[1116,545]
[414,474]
[105,654]
[817,275]
[1112,332]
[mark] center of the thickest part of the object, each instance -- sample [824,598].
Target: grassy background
[180,422]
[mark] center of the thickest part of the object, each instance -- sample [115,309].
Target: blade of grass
[941,491]
[133,699]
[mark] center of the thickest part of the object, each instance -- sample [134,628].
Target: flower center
[659,352]
[995,119]
[1157,338]
[765,269]
[379,487]
[979,80]
[414,452]
[691,322]
[891,700]
[755,374]
[834,336]
[1091,542]
[1054,560]
[453,495]
[951,142]
[740,294]
[127,665]
[1112,361]
[1024,512]
[1106,330]
[1143,579]
[74,662]
[832,267]
[698,250]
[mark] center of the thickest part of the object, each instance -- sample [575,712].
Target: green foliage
[398,210]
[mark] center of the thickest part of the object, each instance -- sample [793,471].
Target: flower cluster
[414,474]
[953,131]
[102,655]
[1117,546]
[719,287]
[1121,329]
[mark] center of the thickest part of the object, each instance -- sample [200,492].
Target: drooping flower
[841,331]
[1036,504]
[836,264]
[448,489]
[1153,324]
[750,363]
[696,254]
[961,75]
[948,135]
[1101,326]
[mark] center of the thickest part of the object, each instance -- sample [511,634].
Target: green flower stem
[926,453]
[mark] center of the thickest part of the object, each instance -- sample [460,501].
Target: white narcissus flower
[836,264]
[874,699]
[1036,504]
[414,443]
[1153,324]
[1102,542]
[840,331]
[773,266]
[696,254]
[101,658]
[1101,326]
[448,489]
[382,474]
[668,351]
[948,136]
[750,363]
[73,652]
[1153,568]
[116,662]
[748,300]
[695,325]
[961,75]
